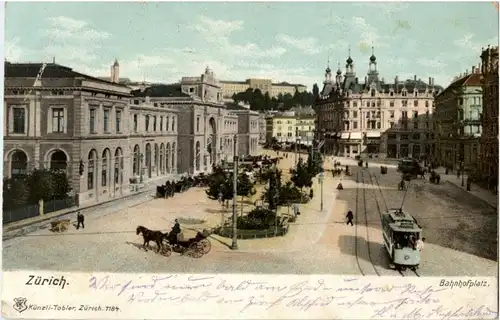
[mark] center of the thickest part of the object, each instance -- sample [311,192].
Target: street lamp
[234,245]
[141,159]
[320,178]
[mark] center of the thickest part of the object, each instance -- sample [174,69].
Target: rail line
[386,208]
[365,225]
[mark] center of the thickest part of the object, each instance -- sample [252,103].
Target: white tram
[401,232]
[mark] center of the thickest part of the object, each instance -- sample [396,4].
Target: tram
[401,232]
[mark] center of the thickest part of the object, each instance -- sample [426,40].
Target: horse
[151,235]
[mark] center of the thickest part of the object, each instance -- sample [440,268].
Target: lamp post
[320,178]
[234,245]
[462,169]
[141,159]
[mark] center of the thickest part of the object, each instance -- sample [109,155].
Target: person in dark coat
[80,218]
[311,194]
[469,182]
[349,217]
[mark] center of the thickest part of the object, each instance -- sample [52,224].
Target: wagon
[59,225]
[194,247]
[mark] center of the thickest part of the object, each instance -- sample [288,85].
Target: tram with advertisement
[401,233]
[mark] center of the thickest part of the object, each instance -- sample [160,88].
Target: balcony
[471,122]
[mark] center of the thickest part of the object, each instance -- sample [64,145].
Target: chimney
[53,60]
[415,78]
[473,69]
[430,82]
[432,79]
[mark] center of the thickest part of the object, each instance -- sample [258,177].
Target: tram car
[401,232]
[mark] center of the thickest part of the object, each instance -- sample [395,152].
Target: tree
[315,91]
[314,163]
[301,177]
[219,185]
[244,188]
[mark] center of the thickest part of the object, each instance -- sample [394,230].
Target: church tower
[115,72]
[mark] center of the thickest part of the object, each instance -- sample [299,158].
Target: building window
[161,123]
[354,114]
[416,136]
[135,123]
[355,104]
[154,123]
[461,101]
[167,124]
[415,103]
[391,104]
[391,136]
[426,103]
[354,124]
[198,124]
[118,120]
[404,103]
[403,93]
[19,120]
[391,114]
[373,104]
[373,92]
[404,137]
[92,122]
[173,124]
[106,120]
[415,114]
[404,114]
[415,125]
[57,120]
[104,170]
[146,120]
[391,93]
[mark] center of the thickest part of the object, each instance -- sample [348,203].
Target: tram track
[356,244]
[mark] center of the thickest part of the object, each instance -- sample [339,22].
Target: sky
[283,41]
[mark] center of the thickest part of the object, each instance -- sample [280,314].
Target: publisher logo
[20,304]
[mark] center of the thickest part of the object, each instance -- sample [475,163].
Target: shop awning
[351,135]
[373,134]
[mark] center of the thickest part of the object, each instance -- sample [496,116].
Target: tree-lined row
[263,102]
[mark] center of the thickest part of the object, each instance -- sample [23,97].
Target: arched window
[58,160]
[91,169]
[174,152]
[104,167]
[167,158]
[118,166]
[373,92]
[197,156]
[135,164]
[162,165]
[19,163]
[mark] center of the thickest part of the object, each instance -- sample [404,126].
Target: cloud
[368,35]
[384,8]
[71,29]
[13,50]
[308,45]
[218,32]
[468,43]
[437,63]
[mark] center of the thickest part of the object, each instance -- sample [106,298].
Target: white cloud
[13,50]
[384,8]
[437,62]
[468,43]
[71,29]
[368,35]
[218,32]
[308,45]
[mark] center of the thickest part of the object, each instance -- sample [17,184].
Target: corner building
[375,117]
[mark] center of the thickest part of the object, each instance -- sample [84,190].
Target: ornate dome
[328,70]
[349,60]
[373,58]
[339,72]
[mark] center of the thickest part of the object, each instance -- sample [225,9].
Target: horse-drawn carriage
[167,242]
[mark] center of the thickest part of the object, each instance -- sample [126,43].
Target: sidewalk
[24,226]
[476,190]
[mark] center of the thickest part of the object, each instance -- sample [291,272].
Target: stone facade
[375,117]
[488,165]
[248,132]
[457,121]
[229,88]
[106,136]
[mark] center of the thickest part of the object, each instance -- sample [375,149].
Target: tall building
[107,137]
[457,121]
[375,117]
[488,165]
[229,88]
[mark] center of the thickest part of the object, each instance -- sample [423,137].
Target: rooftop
[161,90]
[52,70]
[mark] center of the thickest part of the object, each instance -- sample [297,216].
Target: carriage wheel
[196,250]
[207,245]
[166,250]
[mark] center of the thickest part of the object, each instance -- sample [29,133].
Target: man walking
[349,217]
[80,218]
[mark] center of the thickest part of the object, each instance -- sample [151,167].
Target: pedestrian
[80,219]
[420,244]
[469,182]
[349,217]
[311,194]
